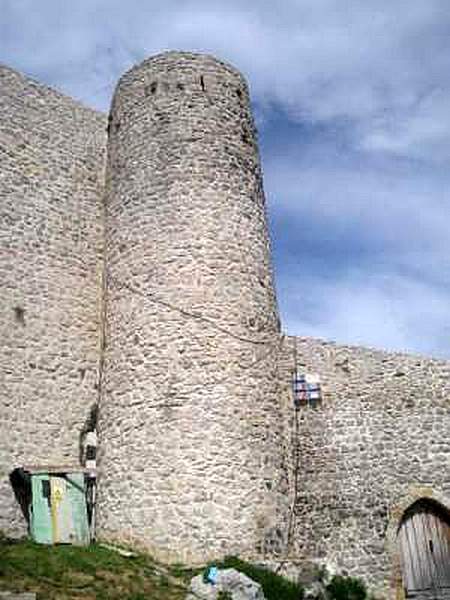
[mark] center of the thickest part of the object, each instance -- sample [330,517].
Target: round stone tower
[190,442]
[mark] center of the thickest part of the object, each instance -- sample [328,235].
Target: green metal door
[76,492]
[58,513]
[40,512]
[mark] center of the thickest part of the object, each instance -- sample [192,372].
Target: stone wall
[190,429]
[378,441]
[51,178]
[201,450]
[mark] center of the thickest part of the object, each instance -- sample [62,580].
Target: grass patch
[84,573]
[97,573]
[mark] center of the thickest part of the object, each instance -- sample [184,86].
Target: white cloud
[422,131]
[401,208]
[319,60]
[364,250]
[367,82]
[369,308]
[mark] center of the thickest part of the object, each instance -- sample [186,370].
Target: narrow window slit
[19,314]
[151,89]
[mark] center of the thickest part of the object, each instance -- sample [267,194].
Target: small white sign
[312,378]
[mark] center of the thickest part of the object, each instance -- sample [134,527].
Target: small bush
[346,588]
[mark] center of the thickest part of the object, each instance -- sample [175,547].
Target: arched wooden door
[424,544]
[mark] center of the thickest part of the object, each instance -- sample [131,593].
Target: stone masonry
[378,441]
[52,153]
[136,275]
[190,422]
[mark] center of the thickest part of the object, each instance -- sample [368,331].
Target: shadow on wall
[89,425]
[21,485]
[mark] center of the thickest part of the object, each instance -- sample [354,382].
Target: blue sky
[352,102]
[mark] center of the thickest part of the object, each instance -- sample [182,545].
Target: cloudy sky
[352,101]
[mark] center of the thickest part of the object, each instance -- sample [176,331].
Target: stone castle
[136,279]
